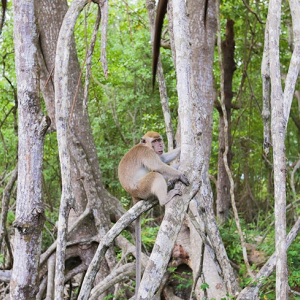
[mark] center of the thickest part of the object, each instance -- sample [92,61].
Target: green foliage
[48,231]
[294,263]
[10,217]
[204,286]
[253,234]
[149,234]
[185,280]
[231,242]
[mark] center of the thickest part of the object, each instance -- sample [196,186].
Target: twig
[253,12]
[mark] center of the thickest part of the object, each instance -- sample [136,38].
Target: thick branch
[123,222]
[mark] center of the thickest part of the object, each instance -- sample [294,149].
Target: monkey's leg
[153,184]
[159,187]
[138,244]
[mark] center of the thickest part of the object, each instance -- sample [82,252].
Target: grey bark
[278,130]
[32,128]
[265,74]
[63,124]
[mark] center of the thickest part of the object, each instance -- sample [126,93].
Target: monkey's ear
[143,141]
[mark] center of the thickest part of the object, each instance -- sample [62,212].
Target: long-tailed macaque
[142,172]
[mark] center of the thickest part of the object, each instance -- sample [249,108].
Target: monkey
[159,20]
[142,172]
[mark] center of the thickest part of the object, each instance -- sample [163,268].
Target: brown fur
[141,169]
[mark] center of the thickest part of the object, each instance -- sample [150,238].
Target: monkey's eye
[156,141]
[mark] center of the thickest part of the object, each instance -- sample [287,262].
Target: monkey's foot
[170,195]
[171,183]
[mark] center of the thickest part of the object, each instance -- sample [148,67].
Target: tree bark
[32,129]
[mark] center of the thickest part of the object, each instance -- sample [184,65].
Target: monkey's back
[132,166]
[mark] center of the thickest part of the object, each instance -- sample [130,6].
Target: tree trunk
[223,185]
[203,43]
[32,128]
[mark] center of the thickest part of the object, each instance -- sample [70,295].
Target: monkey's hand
[184,180]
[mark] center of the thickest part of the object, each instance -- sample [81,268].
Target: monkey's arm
[162,168]
[171,155]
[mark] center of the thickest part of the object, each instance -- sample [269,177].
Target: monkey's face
[158,146]
[154,140]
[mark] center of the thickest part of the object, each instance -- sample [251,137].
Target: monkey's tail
[138,245]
